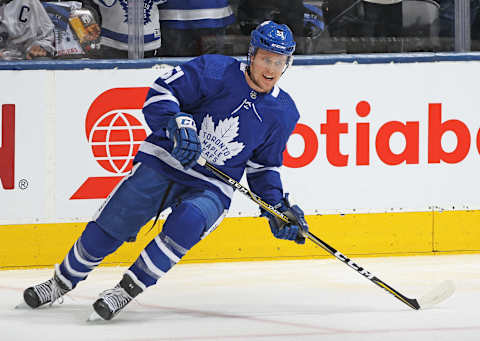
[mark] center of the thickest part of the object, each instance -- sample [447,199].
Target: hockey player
[244,121]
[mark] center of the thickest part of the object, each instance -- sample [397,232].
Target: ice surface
[272,300]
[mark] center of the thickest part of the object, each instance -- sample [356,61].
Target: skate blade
[94,317]
[22,305]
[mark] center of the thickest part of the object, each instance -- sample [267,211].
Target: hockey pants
[133,203]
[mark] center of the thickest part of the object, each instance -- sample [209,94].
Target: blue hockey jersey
[194,14]
[239,128]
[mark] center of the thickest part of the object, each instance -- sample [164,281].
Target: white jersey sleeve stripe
[159,98]
[253,167]
[161,89]
[250,170]
[164,95]
[252,164]
[175,76]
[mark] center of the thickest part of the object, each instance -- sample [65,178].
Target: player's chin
[267,84]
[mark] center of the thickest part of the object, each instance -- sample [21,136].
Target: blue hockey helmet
[273,37]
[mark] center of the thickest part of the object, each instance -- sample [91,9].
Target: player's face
[266,68]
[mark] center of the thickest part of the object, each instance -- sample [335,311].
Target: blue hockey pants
[138,197]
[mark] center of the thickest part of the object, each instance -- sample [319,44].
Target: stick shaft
[412,303]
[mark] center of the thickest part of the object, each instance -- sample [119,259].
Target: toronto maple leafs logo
[217,143]
[147,8]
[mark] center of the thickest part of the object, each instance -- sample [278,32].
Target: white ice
[271,300]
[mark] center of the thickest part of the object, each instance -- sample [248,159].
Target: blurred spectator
[306,20]
[26,31]
[383,18]
[365,18]
[313,21]
[251,13]
[76,30]
[193,27]
[114,27]
[447,18]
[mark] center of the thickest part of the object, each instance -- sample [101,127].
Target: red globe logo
[115,138]
[114,134]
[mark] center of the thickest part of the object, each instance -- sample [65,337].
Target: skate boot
[112,301]
[47,292]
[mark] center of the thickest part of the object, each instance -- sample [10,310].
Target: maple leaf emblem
[147,8]
[217,143]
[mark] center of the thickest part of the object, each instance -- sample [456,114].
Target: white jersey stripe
[124,46]
[160,89]
[166,250]
[152,267]
[175,76]
[82,260]
[72,271]
[254,164]
[258,170]
[162,154]
[195,14]
[159,98]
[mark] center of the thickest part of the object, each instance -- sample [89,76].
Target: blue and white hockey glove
[186,145]
[282,230]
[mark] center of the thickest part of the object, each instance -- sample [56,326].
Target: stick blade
[439,294]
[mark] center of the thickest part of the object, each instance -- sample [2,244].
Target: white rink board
[31,93]
[400,92]
[53,153]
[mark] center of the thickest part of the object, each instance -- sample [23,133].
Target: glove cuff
[178,121]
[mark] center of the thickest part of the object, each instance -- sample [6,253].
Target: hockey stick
[435,296]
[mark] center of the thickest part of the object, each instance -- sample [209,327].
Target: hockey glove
[186,145]
[281,229]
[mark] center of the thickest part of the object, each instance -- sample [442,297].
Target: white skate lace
[57,293]
[49,291]
[116,298]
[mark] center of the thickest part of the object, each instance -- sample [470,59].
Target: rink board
[246,239]
[384,160]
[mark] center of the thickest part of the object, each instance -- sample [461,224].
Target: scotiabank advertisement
[26,115]
[371,138]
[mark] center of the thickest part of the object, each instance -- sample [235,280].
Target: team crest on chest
[147,8]
[217,142]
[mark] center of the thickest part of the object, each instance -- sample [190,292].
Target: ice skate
[47,292]
[112,301]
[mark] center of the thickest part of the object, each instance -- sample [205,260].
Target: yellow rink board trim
[244,239]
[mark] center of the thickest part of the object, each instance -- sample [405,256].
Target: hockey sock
[88,251]
[180,233]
